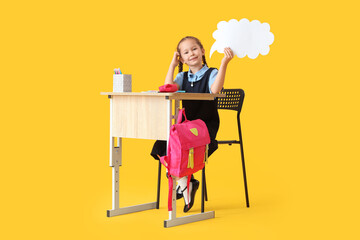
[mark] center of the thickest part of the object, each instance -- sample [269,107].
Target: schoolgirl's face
[191,53]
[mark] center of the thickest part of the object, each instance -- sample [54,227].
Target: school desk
[145,116]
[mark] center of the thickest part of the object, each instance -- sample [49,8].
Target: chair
[233,101]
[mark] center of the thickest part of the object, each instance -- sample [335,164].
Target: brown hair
[197,42]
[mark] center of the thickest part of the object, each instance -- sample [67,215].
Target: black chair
[233,101]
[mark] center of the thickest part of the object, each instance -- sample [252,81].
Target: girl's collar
[200,72]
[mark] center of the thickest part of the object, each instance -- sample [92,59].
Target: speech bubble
[243,37]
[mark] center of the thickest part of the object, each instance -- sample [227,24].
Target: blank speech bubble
[243,37]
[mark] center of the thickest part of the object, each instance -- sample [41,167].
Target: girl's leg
[183,187]
[189,196]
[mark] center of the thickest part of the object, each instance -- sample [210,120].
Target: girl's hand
[228,55]
[175,60]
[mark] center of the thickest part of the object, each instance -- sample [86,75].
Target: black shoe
[179,194]
[195,186]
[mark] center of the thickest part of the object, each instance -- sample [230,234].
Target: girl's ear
[181,60]
[203,51]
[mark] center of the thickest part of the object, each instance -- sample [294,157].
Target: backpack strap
[180,114]
[170,193]
[165,161]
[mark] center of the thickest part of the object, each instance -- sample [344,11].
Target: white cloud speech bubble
[243,37]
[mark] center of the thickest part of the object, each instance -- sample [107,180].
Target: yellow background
[300,119]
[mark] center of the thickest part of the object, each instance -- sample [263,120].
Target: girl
[199,79]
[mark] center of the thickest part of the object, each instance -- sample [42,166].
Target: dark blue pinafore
[196,109]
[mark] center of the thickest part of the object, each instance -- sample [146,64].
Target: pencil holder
[122,83]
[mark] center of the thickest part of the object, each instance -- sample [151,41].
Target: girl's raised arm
[170,74]
[220,78]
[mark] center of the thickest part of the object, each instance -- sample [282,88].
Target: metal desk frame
[136,115]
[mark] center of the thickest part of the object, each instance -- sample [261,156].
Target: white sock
[183,184]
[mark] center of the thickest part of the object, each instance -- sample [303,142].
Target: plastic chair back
[233,101]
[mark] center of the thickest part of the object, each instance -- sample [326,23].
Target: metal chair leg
[204,181]
[158,187]
[243,165]
[203,191]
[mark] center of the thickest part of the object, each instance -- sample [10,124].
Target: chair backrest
[233,101]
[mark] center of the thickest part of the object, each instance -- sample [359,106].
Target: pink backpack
[187,150]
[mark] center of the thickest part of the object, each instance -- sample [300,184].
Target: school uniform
[205,110]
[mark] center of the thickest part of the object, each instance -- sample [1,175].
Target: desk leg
[115,160]
[172,214]
[115,163]
[115,187]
